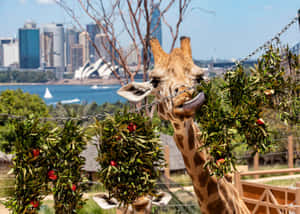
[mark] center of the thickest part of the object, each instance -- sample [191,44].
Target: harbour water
[72,93]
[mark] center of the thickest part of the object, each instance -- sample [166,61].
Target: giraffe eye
[155,81]
[199,78]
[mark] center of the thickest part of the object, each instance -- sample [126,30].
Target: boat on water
[76,100]
[95,87]
[47,94]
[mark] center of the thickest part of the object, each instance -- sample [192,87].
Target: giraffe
[174,73]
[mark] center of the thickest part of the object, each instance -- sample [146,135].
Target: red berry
[260,121]
[131,127]
[113,163]
[51,175]
[220,161]
[74,187]
[35,152]
[35,204]
[269,92]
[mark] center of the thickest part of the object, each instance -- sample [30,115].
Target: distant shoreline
[70,82]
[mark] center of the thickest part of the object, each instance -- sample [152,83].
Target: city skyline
[234,30]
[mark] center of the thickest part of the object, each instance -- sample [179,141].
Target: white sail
[95,87]
[48,95]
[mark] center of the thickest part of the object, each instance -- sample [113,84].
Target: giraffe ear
[185,45]
[135,91]
[158,53]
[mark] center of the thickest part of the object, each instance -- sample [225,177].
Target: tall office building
[132,54]
[1,55]
[3,41]
[155,27]
[47,49]
[92,30]
[53,39]
[76,56]
[72,37]
[103,46]
[11,54]
[83,40]
[53,45]
[29,46]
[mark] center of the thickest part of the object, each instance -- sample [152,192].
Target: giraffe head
[173,73]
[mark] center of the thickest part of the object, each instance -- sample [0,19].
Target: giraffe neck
[214,196]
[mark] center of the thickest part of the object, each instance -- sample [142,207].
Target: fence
[267,199]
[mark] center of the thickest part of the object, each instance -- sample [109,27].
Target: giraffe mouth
[189,107]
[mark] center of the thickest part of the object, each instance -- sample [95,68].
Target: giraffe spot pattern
[179,140]
[202,177]
[176,126]
[161,109]
[198,160]
[211,187]
[191,140]
[186,161]
[216,207]
[200,196]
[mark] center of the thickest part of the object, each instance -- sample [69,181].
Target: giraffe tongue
[194,103]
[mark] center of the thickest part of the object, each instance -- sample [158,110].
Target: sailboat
[48,95]
[95,87]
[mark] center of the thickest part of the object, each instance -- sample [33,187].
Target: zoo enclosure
[267,199]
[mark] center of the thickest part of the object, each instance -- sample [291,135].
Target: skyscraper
[11,54]
[155,25]
[92,30]
[53,48]
[83,40]
[47,45]
[76,56]
[103,47]
[72,37]
[54,44]
[29,46]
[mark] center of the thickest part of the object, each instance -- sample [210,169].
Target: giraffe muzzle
[188,108]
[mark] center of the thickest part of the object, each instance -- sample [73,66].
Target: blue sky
[237,28]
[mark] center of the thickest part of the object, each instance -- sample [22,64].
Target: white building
[83,40]
[11,54]
[132,55]
[102,69]
[52,45]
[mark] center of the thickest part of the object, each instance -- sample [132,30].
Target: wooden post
[256,164]
[237,182]
[167,168]
[290,153]
[297,198]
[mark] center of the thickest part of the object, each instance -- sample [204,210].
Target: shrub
[129,155]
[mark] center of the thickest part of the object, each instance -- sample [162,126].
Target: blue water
[72,93]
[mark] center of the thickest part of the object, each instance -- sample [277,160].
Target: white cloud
[22,1]
[45,1]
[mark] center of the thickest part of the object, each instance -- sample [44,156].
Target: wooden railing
[267,199]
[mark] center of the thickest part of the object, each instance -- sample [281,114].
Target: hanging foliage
[233,112]
[130,156]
